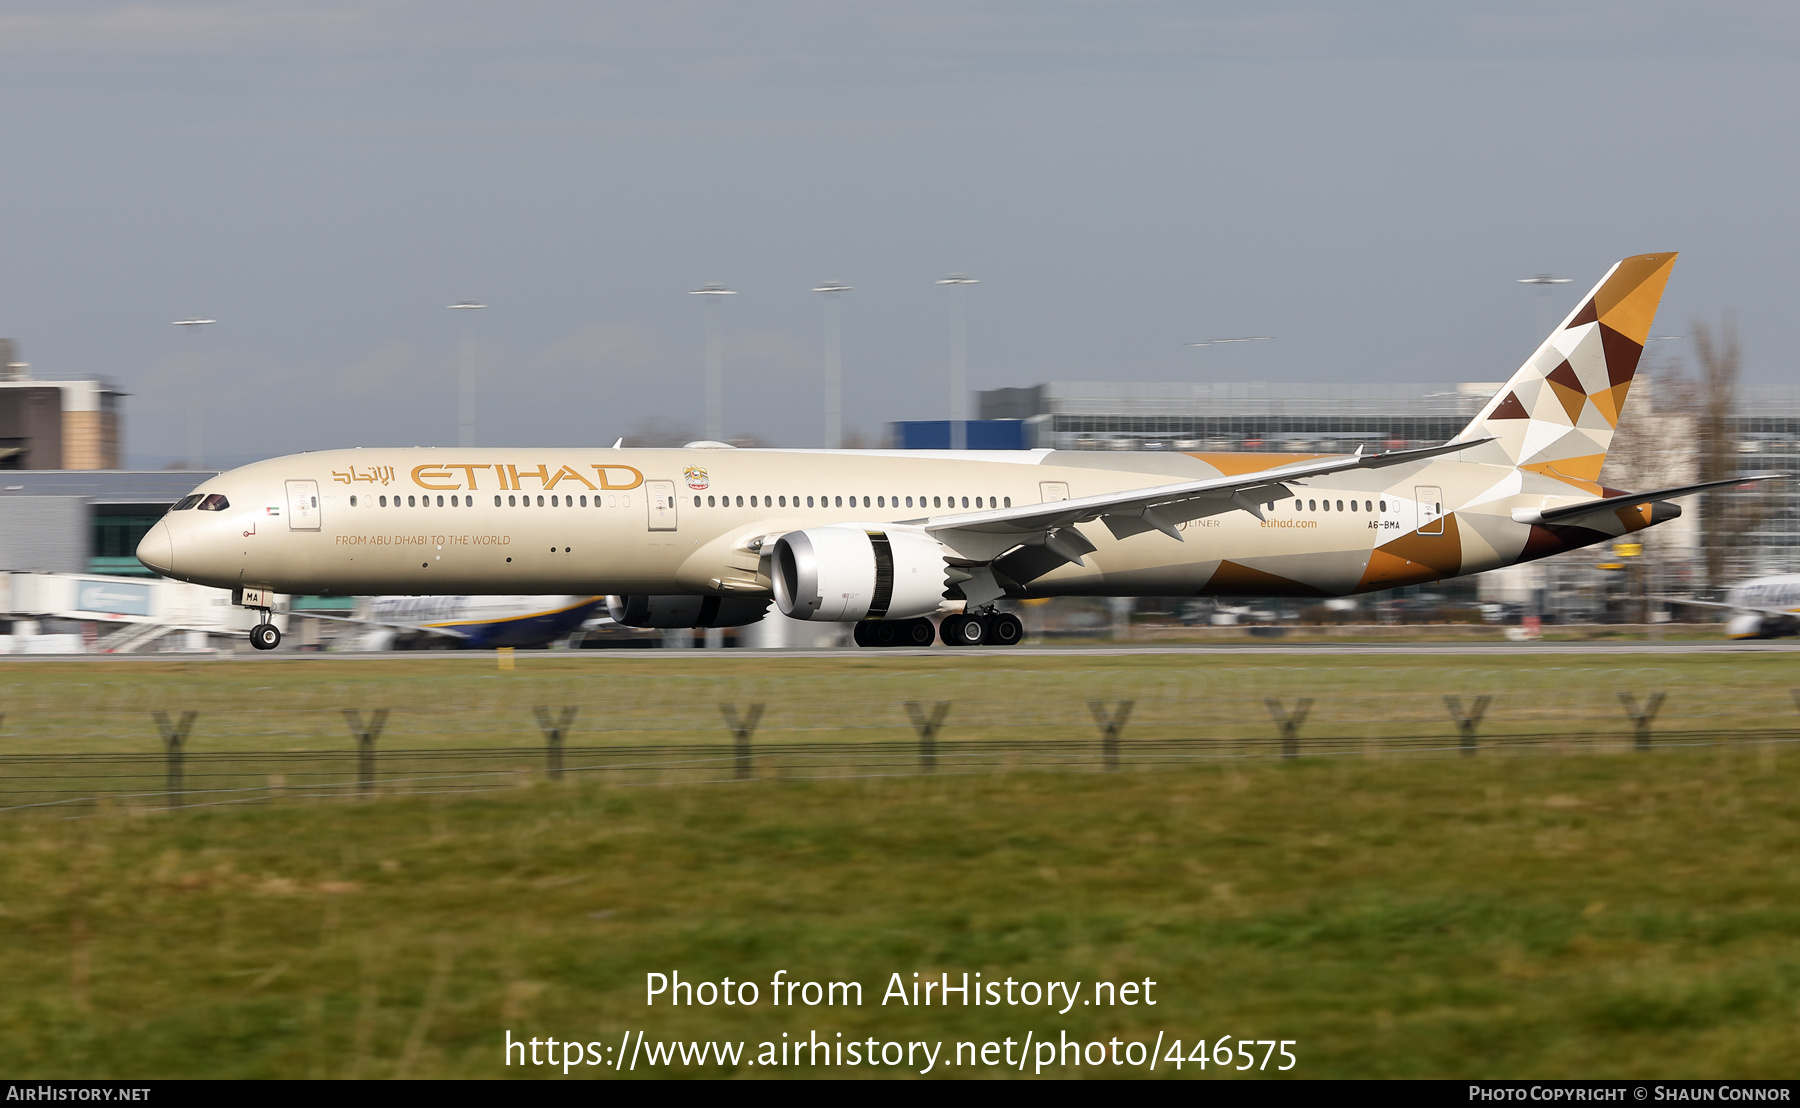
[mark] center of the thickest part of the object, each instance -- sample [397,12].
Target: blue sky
[1363,182]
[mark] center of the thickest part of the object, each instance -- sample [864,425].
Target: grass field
[1560,909]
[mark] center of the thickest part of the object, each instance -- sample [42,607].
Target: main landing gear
[894,632]
[985,629]
[265,635]
[989,629]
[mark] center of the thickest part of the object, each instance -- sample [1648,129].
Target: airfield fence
[180,743]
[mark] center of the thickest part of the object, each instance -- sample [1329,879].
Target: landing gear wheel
[885,634]
[264,636]
[859,634]
[963,630]
[1004,629]
[917,632]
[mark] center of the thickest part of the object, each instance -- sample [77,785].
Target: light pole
[715,361]
[959,359]
[1543,281]
[465,413]
[1243,370]
[196,446]
[834,363]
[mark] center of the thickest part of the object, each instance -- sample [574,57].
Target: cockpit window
[186,502]
[214,502]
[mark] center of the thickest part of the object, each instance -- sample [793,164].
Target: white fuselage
[695,521]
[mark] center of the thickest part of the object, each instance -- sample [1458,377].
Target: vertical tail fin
[1557,414]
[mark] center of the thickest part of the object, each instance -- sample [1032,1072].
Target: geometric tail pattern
[1558,413]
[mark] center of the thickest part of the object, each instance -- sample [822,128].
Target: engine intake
[844,572]
[686,611]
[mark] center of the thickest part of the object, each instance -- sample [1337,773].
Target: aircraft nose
[157,549]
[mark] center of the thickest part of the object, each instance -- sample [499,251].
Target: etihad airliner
[913,546]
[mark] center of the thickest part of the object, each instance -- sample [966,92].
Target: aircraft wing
[983,535]
[1787,613]
[1570,513]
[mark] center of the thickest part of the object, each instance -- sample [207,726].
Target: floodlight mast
[1243,369]
[715,359]
[959,359]
[465,415]
[834,364]
[196,446]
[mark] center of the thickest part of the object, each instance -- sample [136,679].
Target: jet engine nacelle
[845,572]
[686,611]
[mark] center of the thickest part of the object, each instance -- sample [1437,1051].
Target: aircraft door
[303,505]
[660,496]
[1053,490]
[1431,509]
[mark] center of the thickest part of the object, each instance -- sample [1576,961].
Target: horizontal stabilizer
[1569,513]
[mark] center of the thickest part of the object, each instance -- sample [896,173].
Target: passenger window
[784,502]
[809,502]
[439,504]
[496,500]
[540,502]
[909,502]
[411,502]
[840,502]
[353,501]
[965,502]
[740,502]
[315,502]
[1340,505]
[1384,505]
[553,503]
[936,503]
[1008,503]
[512,502]
[1297,506]
[1312,505]
[584,501]
[881,502]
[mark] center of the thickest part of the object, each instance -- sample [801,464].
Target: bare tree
[1728,517]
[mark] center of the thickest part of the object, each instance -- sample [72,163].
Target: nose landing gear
[265,635]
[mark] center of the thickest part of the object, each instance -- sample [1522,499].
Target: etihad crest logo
[696,477]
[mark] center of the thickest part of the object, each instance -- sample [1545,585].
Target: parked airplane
[709,536]
[1762,607]
[477,622]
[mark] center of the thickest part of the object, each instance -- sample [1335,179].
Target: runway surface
[1505,649]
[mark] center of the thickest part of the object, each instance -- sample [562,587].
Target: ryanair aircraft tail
[1557,414]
